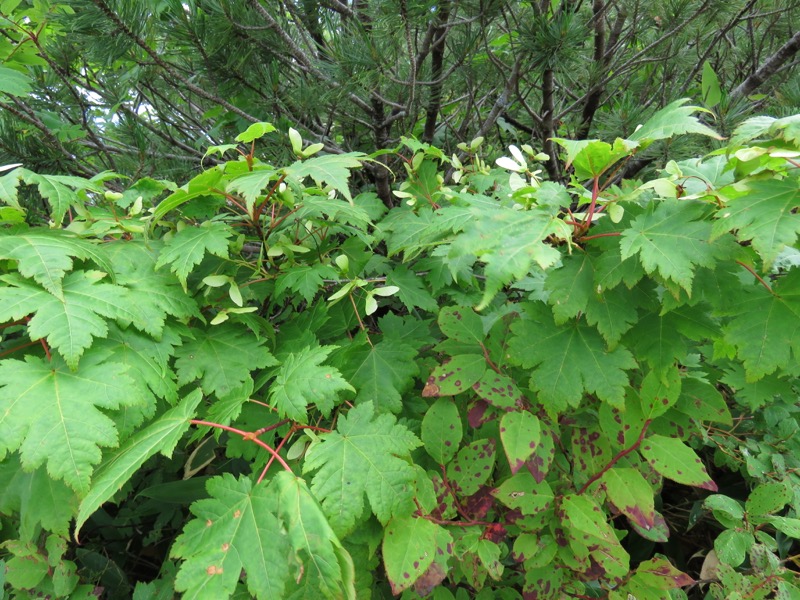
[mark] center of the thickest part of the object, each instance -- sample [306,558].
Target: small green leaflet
[69,324]
[333,169]
[301,381]
[592,158]
[410,545]
[186,249]
[509,242]
[675,460]
[46,255]
[766,214]
[236,528]
[442,430]
[367,454]
[671,238]
[162,435]
[222,357]
[765,328]
[51,414]
[568,361]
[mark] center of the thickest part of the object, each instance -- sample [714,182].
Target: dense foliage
[258,384]
[141,88]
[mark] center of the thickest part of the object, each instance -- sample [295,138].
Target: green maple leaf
[275,533]
[671,238]
[147,359]
[59,190]
[302,380]
[674,119]
[304,279]
[9,184]
[153,294]
[412,292]
[328,566]
[51,414]
[765,328]
[222,357]
[568,360]
[251,185]
[509,242]
[69,324]
[379,373]
[46,255]
[186,249]
[766,214]
[236,528]
[365,455]
[333,169]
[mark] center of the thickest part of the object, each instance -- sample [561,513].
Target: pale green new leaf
[53,415]
[302,380]
[186,249]
[47,254]
[69,324]
[765,215]
[671,238]
[236,528]
[367,454]
[222,357]
[162,435]
[568,361]
[674,119]
[333,169]
[251,185]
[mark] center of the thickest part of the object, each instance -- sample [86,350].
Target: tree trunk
[767,68]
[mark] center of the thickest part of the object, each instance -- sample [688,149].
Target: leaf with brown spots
[472,467]
[519,432]
[441,430]
[675,460]
[410,546]
[461,323]
[630,493]
[455,376]
[500,391]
